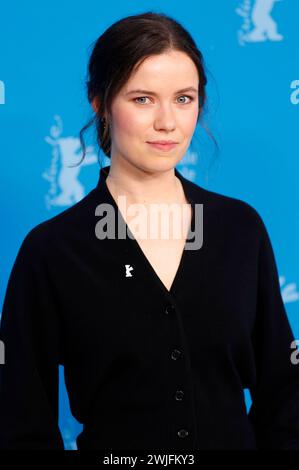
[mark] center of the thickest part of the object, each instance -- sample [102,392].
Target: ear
[94,104]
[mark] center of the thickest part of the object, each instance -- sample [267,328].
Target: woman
[158,337]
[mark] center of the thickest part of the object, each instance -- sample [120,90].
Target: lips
[163,146]
[162,142]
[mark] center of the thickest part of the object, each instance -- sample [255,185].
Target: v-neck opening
[156,277]
[171,290]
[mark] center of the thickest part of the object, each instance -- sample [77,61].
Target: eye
[139,98]
[188,96]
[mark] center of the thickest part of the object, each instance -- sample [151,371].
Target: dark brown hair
[121,49]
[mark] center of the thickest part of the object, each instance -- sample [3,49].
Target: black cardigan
[147,368]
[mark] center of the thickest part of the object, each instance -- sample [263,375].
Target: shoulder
[227,212]
[224,206]
[55,231]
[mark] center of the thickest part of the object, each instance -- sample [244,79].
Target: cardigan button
[169,309]
[176,353]
[183,433]
[179,395]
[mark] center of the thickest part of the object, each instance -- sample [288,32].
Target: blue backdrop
[251,54]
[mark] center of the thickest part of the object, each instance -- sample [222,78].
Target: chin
[159,164]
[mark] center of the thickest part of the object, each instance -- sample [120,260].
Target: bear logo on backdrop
[65,186]
[258,24]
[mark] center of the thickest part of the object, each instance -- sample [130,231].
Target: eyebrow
[147,92]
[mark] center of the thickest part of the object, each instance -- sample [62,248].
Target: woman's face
[163,114]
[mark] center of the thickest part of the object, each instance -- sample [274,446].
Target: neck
[143,186]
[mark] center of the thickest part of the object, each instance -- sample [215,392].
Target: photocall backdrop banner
[251,55]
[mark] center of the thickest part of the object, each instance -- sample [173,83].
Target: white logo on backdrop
[258,24]
[65,187]
[2,92]
[294,98]
[289,292]
[187,166]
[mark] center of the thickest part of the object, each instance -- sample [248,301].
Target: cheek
[188,125]
[127,123]
[193,120]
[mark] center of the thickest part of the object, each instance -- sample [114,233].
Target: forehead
[173,70]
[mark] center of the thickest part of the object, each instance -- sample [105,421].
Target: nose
[165,119]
